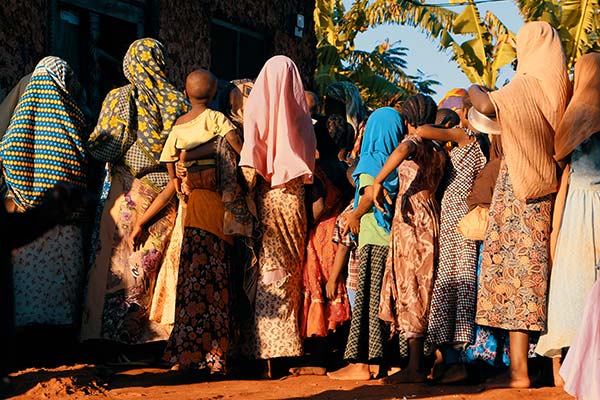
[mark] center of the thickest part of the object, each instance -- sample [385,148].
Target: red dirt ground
[80,382]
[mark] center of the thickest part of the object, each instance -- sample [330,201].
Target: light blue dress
[577,250]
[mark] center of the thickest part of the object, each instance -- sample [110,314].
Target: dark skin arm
[481,100]
[171,169]
[160,202]
[400,154]
[341,260]
[234,141]
[456,135]
[206,150]
[365,203]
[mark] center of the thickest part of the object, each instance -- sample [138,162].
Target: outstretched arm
[163,198]
[401,153]
[457,135]
[206,150]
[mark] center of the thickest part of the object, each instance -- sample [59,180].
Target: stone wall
[184,23]
[22,39]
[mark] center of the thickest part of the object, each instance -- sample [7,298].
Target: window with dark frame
[236,52]
[93,36]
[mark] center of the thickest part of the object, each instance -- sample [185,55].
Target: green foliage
[577,22]
[379,74]
[480,56]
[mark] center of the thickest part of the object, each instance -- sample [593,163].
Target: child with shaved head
[199,125]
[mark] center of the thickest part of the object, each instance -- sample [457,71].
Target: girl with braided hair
[410,264]
[444,309]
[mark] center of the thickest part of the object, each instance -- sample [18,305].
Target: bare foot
[438,367]
[454,373]
[406,376]
[358,372]
[558,380]
[393,370]
[297,371]
[507,381]
[374,370]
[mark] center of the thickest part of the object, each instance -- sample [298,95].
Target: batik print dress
[410,265]
[131,131]
[274,330]
[514,270]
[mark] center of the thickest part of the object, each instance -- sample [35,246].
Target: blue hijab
[383,133]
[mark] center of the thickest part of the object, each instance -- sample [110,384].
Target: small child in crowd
[198,126]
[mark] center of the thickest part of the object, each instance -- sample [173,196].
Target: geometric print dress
[452,313]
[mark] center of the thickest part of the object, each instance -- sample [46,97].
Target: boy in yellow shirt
[199,125]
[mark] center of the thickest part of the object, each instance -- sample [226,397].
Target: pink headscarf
[279,140]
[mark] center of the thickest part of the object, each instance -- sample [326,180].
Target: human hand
[331,288]
[352,224]
[136,237]
[180,170]
[379,196]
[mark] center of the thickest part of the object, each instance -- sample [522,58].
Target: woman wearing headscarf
[515,259]
[368,334]
[577,224]
[328,196]
[132,128]
[343,99]
[278,158]
[42,147]
[7,107]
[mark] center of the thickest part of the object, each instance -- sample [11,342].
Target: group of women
[323,220]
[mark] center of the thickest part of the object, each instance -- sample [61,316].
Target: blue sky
[423,53]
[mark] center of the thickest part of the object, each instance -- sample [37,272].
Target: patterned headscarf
[453,100]
[157,105]
[348,93]
[43,144]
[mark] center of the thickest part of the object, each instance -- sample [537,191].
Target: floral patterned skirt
[514,270]
[121,281]
[48,278]
[274,331]
[162,310]
[201,334]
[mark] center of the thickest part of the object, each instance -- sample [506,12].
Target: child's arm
[173,177]
[365,203]
[400,154]
[234,140]
[457,135]
[340,261]
[163,198]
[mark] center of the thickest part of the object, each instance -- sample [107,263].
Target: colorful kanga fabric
[155,107]
[43,144]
